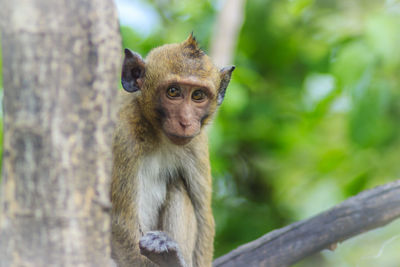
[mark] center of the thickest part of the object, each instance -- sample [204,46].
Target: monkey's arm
[161,249]
[203,252]
[201,186]
[125,229]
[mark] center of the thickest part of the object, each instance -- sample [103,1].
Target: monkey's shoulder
[132,125]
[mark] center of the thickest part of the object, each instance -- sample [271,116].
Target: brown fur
[185,214]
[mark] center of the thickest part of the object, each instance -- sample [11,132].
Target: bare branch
[283,247]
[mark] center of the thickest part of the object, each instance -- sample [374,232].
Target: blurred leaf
[298,6]
[351,62]
[369,125]
[383,36]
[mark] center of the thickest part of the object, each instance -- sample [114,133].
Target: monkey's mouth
[179,139]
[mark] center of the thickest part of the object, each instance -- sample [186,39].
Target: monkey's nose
[184,124]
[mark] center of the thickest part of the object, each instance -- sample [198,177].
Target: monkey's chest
[154,175]
[151,200]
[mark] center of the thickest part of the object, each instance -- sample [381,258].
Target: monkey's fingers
[161,249]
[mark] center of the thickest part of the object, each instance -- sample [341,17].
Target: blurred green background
[311,117]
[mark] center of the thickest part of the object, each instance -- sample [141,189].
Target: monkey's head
[180,88]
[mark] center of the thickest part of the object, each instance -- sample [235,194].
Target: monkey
[161,177]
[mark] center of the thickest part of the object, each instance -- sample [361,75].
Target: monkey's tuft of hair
[193,48]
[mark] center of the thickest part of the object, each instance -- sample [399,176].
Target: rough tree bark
[283,247]
[61,60]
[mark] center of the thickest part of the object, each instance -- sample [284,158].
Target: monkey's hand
[161,249]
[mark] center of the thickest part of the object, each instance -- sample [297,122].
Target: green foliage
[311,114]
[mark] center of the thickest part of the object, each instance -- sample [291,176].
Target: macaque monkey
[161,181]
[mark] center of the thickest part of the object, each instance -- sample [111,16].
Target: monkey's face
[180,87]
[183,109]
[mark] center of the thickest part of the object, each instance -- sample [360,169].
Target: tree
[283,247]
[60,63]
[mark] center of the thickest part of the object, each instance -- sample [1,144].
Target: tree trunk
[60,60]
[226,31]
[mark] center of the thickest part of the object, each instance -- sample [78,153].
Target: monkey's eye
[198,95]
[173,92]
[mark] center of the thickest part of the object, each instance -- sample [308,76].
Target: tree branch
[283,247]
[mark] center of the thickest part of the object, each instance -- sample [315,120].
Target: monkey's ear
[133,70]
[226,74]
